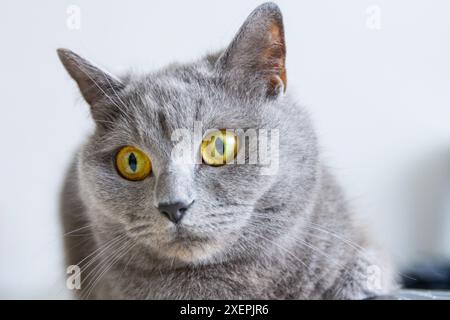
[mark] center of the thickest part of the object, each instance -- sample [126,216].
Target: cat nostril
[174,211]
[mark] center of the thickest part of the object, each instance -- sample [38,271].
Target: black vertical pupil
[132,162]
[219,146]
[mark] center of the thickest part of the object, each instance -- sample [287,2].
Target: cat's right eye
[133,164]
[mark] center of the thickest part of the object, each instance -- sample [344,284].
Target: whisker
[96,254]
[122,252]
[99,266]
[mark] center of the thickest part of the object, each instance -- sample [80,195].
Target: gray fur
[246,235]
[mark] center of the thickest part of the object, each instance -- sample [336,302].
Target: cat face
[184,208]
[218,199]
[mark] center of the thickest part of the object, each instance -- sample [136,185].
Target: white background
[380,100]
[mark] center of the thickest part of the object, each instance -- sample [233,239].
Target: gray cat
[142,225]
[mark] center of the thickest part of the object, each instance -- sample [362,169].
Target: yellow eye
[219,147]
[133,164]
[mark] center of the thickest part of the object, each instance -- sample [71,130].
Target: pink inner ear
[275,56]
[258,50]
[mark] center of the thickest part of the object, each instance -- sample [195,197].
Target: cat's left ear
[257,54]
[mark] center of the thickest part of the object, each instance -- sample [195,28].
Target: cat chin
[193,252]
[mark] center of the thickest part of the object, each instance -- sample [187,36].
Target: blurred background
[375,76]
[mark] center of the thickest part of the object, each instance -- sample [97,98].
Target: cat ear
[93,82]
[258,51]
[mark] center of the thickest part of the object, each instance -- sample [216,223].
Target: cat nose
[174,211]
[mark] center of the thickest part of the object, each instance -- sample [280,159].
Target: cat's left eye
[219,147]
[133,164]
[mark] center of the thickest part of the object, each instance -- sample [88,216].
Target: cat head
[195,209]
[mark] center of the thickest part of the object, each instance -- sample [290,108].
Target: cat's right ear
[93,82]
